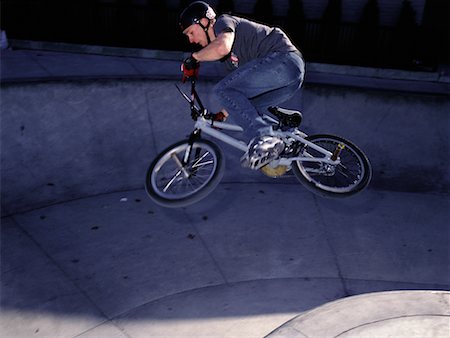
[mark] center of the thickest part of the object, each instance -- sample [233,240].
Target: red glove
[190,67]
[219,117]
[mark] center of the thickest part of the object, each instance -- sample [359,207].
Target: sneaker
[261,151]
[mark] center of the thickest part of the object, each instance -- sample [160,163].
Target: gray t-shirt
[252,40]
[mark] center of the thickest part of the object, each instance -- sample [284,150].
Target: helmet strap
[205,29]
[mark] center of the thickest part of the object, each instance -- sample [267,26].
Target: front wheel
[172,183]
[349,177]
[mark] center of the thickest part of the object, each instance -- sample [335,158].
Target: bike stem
[195,97]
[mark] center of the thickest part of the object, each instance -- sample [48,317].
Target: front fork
[181,164]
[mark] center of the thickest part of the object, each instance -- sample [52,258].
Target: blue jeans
[258,84]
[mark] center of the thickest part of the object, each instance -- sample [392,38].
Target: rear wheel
[349,177]
[173,184]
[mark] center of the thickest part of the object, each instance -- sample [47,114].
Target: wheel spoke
[172,180]
[202,164]
[200,159]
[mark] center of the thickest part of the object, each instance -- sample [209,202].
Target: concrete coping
[437,82]
[419,313]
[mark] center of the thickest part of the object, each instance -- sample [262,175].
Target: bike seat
[287,117]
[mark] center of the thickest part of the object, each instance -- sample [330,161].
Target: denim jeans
[260,83]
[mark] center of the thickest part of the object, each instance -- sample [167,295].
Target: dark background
[153,24]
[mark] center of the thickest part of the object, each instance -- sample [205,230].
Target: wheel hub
[328,169]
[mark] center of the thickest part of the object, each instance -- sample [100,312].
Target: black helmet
[194,12]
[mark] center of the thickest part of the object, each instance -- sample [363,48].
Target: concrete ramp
[73,139]
[418,314]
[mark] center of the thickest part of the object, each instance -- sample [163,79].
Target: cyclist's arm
[217,49]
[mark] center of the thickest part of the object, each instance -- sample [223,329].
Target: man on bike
[265,67]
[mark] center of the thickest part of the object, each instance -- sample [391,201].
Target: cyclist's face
[196,34]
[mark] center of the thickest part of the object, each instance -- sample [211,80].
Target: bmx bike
[189,170]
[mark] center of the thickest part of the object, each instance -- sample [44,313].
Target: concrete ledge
[385,314]
[328,74]
[97,50]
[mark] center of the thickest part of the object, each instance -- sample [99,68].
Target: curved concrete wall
[67,140]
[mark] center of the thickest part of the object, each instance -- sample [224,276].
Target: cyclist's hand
[220,116]
[190,67]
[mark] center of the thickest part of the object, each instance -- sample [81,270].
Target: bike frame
[213,129]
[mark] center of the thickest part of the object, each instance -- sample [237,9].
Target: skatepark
[86,253]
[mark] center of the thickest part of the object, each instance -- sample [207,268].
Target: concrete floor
[251,258]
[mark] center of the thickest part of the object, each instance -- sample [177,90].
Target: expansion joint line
[333,250]
[216,264]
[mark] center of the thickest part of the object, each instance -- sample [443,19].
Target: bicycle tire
[357,174]
[203,177]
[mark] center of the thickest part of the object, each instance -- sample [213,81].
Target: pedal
[287,117]
[261,151]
